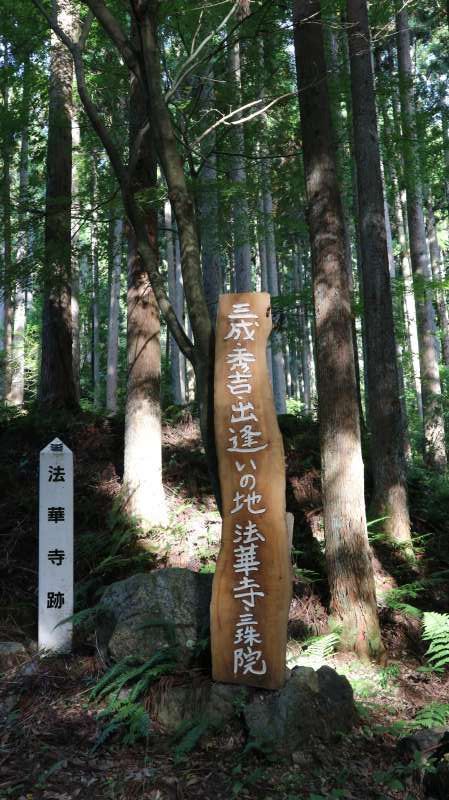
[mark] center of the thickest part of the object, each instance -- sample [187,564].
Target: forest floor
[49,726]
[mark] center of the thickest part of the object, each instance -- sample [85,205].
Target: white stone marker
[55,548]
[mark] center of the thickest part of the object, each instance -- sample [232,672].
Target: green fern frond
[188,734]
[434,715]
[436,631]
[321,647]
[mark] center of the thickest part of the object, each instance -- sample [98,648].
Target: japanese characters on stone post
[55,548]
[252,583]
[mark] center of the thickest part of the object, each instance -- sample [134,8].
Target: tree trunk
[173,291]
[180,197]
[409,295]
[208,204]
[57,387]
[436,262]
[240,212]
[262,248]
[142,477]
[7,281]
[114,316]
[16,393]
[348,557]
[76,226]
[96,375]
[435,451]
[397,312]
[384,406]
[278,371]
[303,336]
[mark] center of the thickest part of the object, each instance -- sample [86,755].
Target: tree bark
[302,328]
[348,557]
[278,370]
[165,144]
[240,212]
[7,281]
[75,277]
[142,477]
[384,406]
[435,450]
[208,205]
[16,393]
[114,316]
[57,387]
[174,290]
[436,262]
[95,309]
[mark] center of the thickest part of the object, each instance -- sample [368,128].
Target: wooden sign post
[253,579]
[55,548]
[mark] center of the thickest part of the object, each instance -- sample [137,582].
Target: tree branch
[190,62]
[115,33]
[131,208]
[224,120]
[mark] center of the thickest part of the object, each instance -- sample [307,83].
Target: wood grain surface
[253,579]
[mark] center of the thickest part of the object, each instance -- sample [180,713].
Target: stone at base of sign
[313,705]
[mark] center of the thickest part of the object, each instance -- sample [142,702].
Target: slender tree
[95,283]
[434,435]
[7,280]
[57,386]
[175,295]
[143,438]
[436,262]
[350,572]
[208,203]
[75,276]
[16,393]
[114,315]
[384,417]
[240,213]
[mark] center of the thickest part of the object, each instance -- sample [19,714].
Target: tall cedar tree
[143,438]
[435,450]
[350,572]
[384,405]
[57,385]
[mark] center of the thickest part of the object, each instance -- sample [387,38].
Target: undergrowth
[125,685]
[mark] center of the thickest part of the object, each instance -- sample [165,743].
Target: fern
[127,714]
[321,647]
[435,715]
[188,735]
[436,630]
[126,671]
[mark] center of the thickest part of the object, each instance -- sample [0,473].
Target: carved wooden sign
[252,583]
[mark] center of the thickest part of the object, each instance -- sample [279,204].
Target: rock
[8,648]
[436,783]
[7,705]
[10,653]
[155,610]
[311,704]
[218,703]
[433,746]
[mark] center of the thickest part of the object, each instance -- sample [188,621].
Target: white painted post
[55,548]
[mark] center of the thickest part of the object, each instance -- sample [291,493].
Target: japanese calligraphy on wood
[252,583]
[55,547]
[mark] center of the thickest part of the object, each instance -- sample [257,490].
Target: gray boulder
[10,653]
[310,705]
[153,611]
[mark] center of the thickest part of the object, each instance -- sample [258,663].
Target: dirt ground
[49,726]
